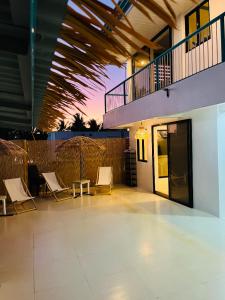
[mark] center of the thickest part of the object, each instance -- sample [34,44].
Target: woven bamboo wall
[44,155]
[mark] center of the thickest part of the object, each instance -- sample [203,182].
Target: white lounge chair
[105,177]
[19,193]
[55,185]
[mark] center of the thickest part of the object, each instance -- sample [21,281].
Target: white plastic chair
[19,193]
[54,185]
[105,177]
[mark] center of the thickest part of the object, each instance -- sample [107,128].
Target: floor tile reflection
[128,246]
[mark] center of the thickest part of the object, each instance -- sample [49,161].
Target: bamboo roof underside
[93,36]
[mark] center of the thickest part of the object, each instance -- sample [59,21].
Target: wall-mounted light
[167,92]
[141,133]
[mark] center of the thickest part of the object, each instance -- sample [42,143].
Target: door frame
[153,162]
[190,161]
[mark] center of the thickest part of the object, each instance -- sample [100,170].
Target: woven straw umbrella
[86,148]
[11,149]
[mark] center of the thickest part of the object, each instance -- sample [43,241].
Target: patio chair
[55,185]
[105,178]
[19,194]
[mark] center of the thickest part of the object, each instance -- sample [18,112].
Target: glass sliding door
[180,162]
[172,161]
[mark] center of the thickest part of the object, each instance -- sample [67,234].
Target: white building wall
[205,159]
[216,7]
[208,123]
[144,171]
[208,127]
[221,158]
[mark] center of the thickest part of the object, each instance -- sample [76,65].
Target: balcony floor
[128,246]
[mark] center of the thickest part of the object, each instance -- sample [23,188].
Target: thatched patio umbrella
[11,149]
[87,149]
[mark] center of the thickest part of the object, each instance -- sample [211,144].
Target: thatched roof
[92,36]
[83,143]
[11,149]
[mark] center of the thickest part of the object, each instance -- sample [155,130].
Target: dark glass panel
[204,19]
[192,27]
[180,162]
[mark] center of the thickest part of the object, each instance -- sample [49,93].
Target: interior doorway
[160,157]
[172,161]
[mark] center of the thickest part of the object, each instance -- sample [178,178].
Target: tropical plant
[62,125]
[93,125]
[78,123]
[101,126]
[94,35]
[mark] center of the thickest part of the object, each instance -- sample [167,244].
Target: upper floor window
[195,20]
[141,59]
[164,39]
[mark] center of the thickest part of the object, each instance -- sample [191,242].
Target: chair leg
[45,190]
[107,189]
[74,190]
[4,206]
[54,196]
[24,210]
[110,190]
[35,206]
[60,199]
[14,207]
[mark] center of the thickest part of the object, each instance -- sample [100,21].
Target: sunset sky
[95,104]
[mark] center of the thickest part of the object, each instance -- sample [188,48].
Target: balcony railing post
[222,29]
[105,103]
[133,88]
[124,92]
[157,74]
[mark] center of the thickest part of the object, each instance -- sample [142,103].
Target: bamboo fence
[67,166]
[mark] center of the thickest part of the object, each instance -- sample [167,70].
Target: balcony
[200,51]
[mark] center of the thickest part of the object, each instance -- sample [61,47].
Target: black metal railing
[197,52]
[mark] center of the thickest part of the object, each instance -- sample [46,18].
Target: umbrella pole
[80,169]
[25,163]
[80,162]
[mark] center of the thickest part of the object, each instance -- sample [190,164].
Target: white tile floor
[127,246]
